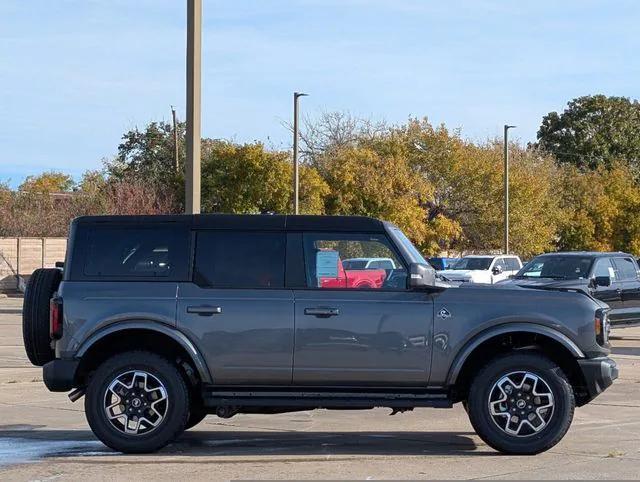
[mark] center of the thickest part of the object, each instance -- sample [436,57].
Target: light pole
[296,181]
[506,187]
[194,54]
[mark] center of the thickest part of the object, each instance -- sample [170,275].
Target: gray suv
[160,320]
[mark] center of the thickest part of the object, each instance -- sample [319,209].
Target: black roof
[275,222]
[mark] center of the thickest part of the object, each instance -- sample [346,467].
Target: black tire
[42,284]
[196,415]
[529,444]
[177,411]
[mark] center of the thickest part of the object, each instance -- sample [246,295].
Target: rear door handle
[322,312]
[204,310]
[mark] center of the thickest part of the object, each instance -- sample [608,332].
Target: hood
[458,273]
[578,284]
[551,284]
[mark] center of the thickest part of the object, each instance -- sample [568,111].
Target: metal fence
[19,257]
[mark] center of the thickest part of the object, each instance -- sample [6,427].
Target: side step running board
[234,397]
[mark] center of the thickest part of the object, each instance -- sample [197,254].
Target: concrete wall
[24,255]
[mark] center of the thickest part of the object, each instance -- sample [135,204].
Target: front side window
[626,268]
[512,264]
[500,263]
[126,252]
[239,259]
[352,261]
[473,263]
[604,268]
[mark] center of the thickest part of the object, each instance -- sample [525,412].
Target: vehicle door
[612,294]
[237,310]
[499,270]
[350,336]
[627,270]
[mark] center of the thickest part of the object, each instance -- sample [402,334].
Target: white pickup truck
[487,269]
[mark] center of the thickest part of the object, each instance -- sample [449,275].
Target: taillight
[55,318]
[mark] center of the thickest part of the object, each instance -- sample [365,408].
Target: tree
[593,131]
[149,155]
[376,181]
[600,209]
[467,180]
[48,182]
[247,178]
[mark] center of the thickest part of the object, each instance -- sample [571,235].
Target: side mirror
[602,281]
[497,270]
[421,276]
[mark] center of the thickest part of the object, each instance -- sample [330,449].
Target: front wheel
[137,402]
[521,403]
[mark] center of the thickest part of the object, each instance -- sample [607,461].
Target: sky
[76,74]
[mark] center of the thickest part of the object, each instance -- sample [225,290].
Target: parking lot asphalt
[45,436]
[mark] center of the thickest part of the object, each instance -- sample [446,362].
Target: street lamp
[296,182]
[194,51]
[506,187]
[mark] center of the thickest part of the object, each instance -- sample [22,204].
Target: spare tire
[42,284]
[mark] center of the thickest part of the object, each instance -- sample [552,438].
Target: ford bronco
[159,321]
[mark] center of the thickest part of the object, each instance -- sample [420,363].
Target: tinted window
[226,259]
[473,263]
[512,264]
[500,262]
[136,253]
[603,267]
[324,255]
[626,268]
[354,264]
[557,267]
[437,263]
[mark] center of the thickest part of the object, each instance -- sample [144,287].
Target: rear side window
[626,268]
[126,252]
[230,259]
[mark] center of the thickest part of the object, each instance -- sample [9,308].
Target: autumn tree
[247,178]
[601,209]
[47,182]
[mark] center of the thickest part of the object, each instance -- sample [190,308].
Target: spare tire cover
[42,284]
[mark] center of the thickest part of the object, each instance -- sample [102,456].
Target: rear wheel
[42,284]
[521,404]
[137,402]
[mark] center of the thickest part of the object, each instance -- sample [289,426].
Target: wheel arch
[515,336]
[98,343]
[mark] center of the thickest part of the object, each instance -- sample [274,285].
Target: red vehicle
[355,278]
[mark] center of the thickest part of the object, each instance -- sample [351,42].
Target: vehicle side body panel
[466,312]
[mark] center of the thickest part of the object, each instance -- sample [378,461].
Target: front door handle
[204,310]
[322,312]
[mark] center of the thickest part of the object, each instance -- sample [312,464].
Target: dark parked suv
[613,278]
[159,321]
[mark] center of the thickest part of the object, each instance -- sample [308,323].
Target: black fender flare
[476,341]
[176,335]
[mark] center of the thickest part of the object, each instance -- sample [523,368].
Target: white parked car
[482,269]
[368,263]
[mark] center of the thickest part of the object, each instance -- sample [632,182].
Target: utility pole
[506,188]
[296,180]
[194,54]
[175,141]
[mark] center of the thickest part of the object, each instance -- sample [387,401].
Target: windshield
[354,264]
[557,267]
[408,245]
[472,263]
